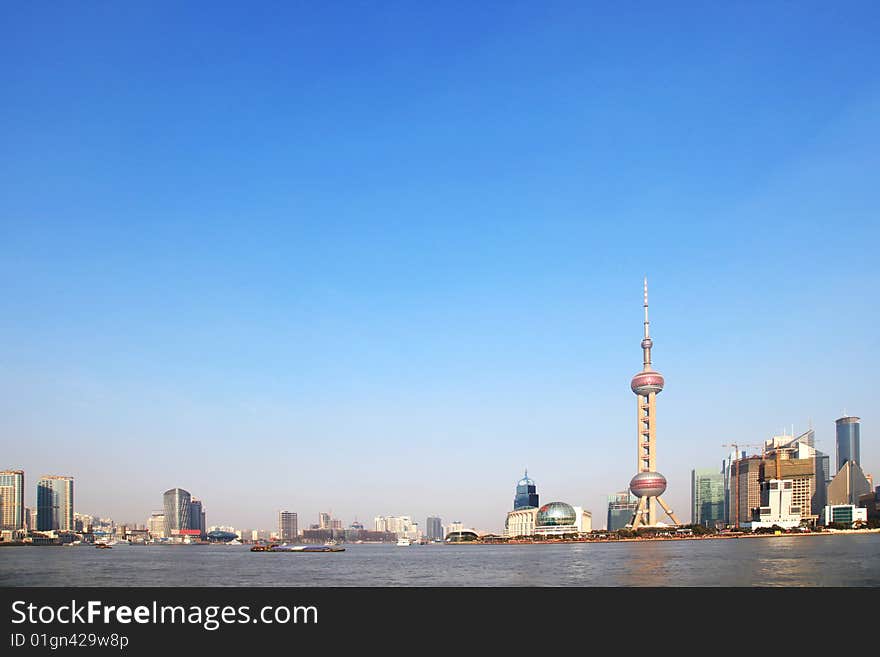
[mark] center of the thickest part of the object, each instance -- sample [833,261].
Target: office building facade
[197,517]
[288,528]
[156,525]
[55,503]
[621,507]
[847,514]
[434,528]
[777,507]
[12,516]
[178,508]
[707,498]
[847,438]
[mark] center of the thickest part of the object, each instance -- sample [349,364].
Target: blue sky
[377,260]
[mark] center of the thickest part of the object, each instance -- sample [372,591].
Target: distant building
[871,503]
[324,521]
[707,498]
[777,506]
[454,526]
[287,526]
[197,517]
[848,485]
[728,477]
[747,486]
[156,525]
[12,500]
[55,503]
[520,522]
[82,522]
[177,503]
[796,458]
[844,513]
[335,524]
[847,438]
[399,525]
[621,507]
[434,528]
[526,494]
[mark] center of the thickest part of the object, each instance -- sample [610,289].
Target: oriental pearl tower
[648,485]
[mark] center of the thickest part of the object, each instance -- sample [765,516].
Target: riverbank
[704,537]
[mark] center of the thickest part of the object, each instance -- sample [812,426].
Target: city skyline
[381,260]
[324,518]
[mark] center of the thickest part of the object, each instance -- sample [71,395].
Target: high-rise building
[156,525]
[746,487]
[434,527]
[197,517]
[796,459]
[399,525]
[12,500]
[323,521]
[621,507]
[648,484]
[55,503]
[178,509]
[707,498]
[287,526]
[727,474]
[526,494]
[847,430]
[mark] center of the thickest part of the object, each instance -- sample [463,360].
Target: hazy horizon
[380,260]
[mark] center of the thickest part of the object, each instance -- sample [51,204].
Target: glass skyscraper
[707,498]
[55,503]
[526,494]
[197,517]
[621,507]
[847,441]
[434,528]
[12,500]
[177,503]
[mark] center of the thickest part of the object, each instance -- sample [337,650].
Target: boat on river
[297,548]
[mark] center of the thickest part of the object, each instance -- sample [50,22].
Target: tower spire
[647,343]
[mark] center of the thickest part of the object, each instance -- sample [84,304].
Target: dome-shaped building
[555,514]
[562,519]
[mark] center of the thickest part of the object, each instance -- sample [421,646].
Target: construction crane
[737,446]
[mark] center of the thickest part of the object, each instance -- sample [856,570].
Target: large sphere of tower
[644,383]
[648,484]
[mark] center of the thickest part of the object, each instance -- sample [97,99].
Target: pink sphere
[644,383]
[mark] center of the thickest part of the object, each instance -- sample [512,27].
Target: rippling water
[842,560]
